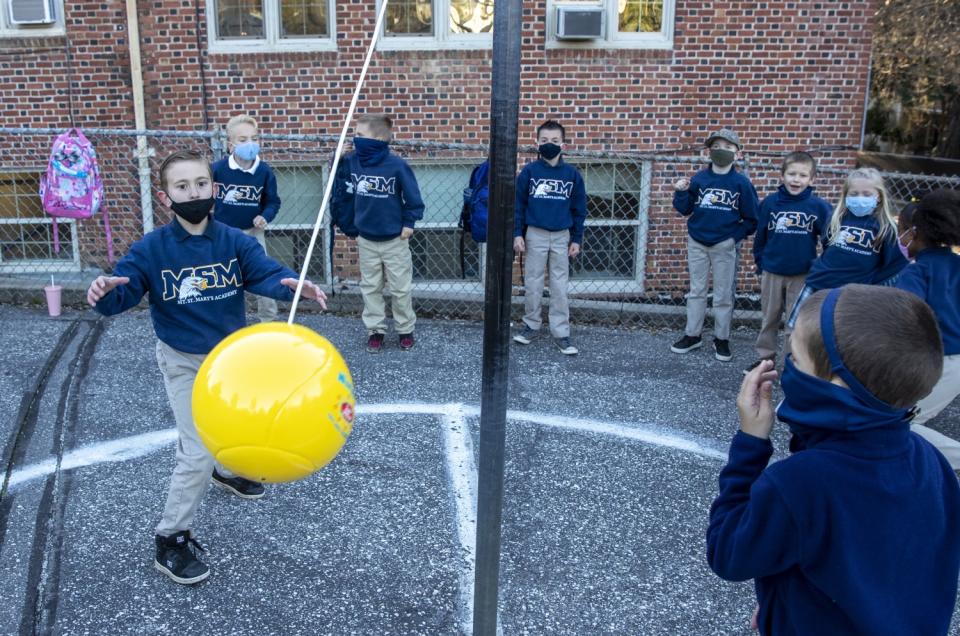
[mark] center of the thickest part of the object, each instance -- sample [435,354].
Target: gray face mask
[721,157]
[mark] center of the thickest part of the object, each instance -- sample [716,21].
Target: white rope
[336,161]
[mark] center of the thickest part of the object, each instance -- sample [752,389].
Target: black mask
[549,151]
[193,211]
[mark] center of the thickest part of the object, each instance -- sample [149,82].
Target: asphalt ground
[611,465]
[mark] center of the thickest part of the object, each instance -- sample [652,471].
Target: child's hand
[102,285]
[681,184]
[518,245]
[259,222]
[753,402]
[573,250]
[406,233]
[753,619]
[310,290]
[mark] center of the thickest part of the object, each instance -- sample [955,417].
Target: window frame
[271,42]
[612,38]
[33,265]
[436,41]
[10,30]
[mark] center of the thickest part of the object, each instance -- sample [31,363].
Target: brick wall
[785,74]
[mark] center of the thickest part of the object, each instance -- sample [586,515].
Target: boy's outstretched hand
[102,285]
[310,290]
[753,402]
[681,184]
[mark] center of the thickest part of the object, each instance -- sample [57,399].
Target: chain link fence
[632,270]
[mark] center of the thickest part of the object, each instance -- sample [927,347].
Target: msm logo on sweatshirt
[718,198]
[191,284]
[550,189]
[850,238]
[372,186]
[239,194]
[791,222]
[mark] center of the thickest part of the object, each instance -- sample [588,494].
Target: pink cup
[53,299]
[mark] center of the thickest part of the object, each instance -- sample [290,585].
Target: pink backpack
[71,187]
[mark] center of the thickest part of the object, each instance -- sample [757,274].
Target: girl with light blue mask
[860,244]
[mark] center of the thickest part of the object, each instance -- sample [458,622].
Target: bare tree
[916,71]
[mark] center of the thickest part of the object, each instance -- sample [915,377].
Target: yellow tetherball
[274,402]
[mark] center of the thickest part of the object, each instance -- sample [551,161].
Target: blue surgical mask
[862,206]
[809,401]
[247,151]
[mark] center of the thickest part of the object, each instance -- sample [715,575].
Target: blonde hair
[379,125]
[883,212]
[236,121]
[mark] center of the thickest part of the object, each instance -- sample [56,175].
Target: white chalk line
[458,453]
[127,448]
[463,479]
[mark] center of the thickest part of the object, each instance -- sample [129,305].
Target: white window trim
[442,38]
[612,38]
[30,265]
[272,42]
[9,30]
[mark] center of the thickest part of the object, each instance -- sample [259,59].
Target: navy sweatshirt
[856,256]
[375,201]
[788,230]
[195,283]
[241,196]
[719,206]
[855,534]
[551,198]
[935,277]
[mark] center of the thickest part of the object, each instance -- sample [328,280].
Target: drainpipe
[144,152]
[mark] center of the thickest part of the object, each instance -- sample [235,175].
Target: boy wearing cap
[721,205]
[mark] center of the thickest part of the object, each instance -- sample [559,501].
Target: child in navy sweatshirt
[927,232]
[721,204]
[194,271]
[246,192]
[550,209]
[856,531]
[790,224]
[860,244]
[377,200]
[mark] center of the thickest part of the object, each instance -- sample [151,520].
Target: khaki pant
[266,307]
[776,294]
[942,395]
[701,259]
[544,247]
[391,260]
[194,462]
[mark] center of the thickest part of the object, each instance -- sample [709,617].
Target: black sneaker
[721,350]
[177,558]
[757,364]
[687,344]
[239,486]
[406,341]
[565,347]
[375,343]
[526,336]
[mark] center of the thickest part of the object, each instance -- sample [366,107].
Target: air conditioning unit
[31,12]
[578,22]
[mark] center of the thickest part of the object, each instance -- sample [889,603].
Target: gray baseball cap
[727,135]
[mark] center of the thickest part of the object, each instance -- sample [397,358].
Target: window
[238,26]
[26,233]
[31,18]
[641,24]
[614,235]
[438,24]
[288,236]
